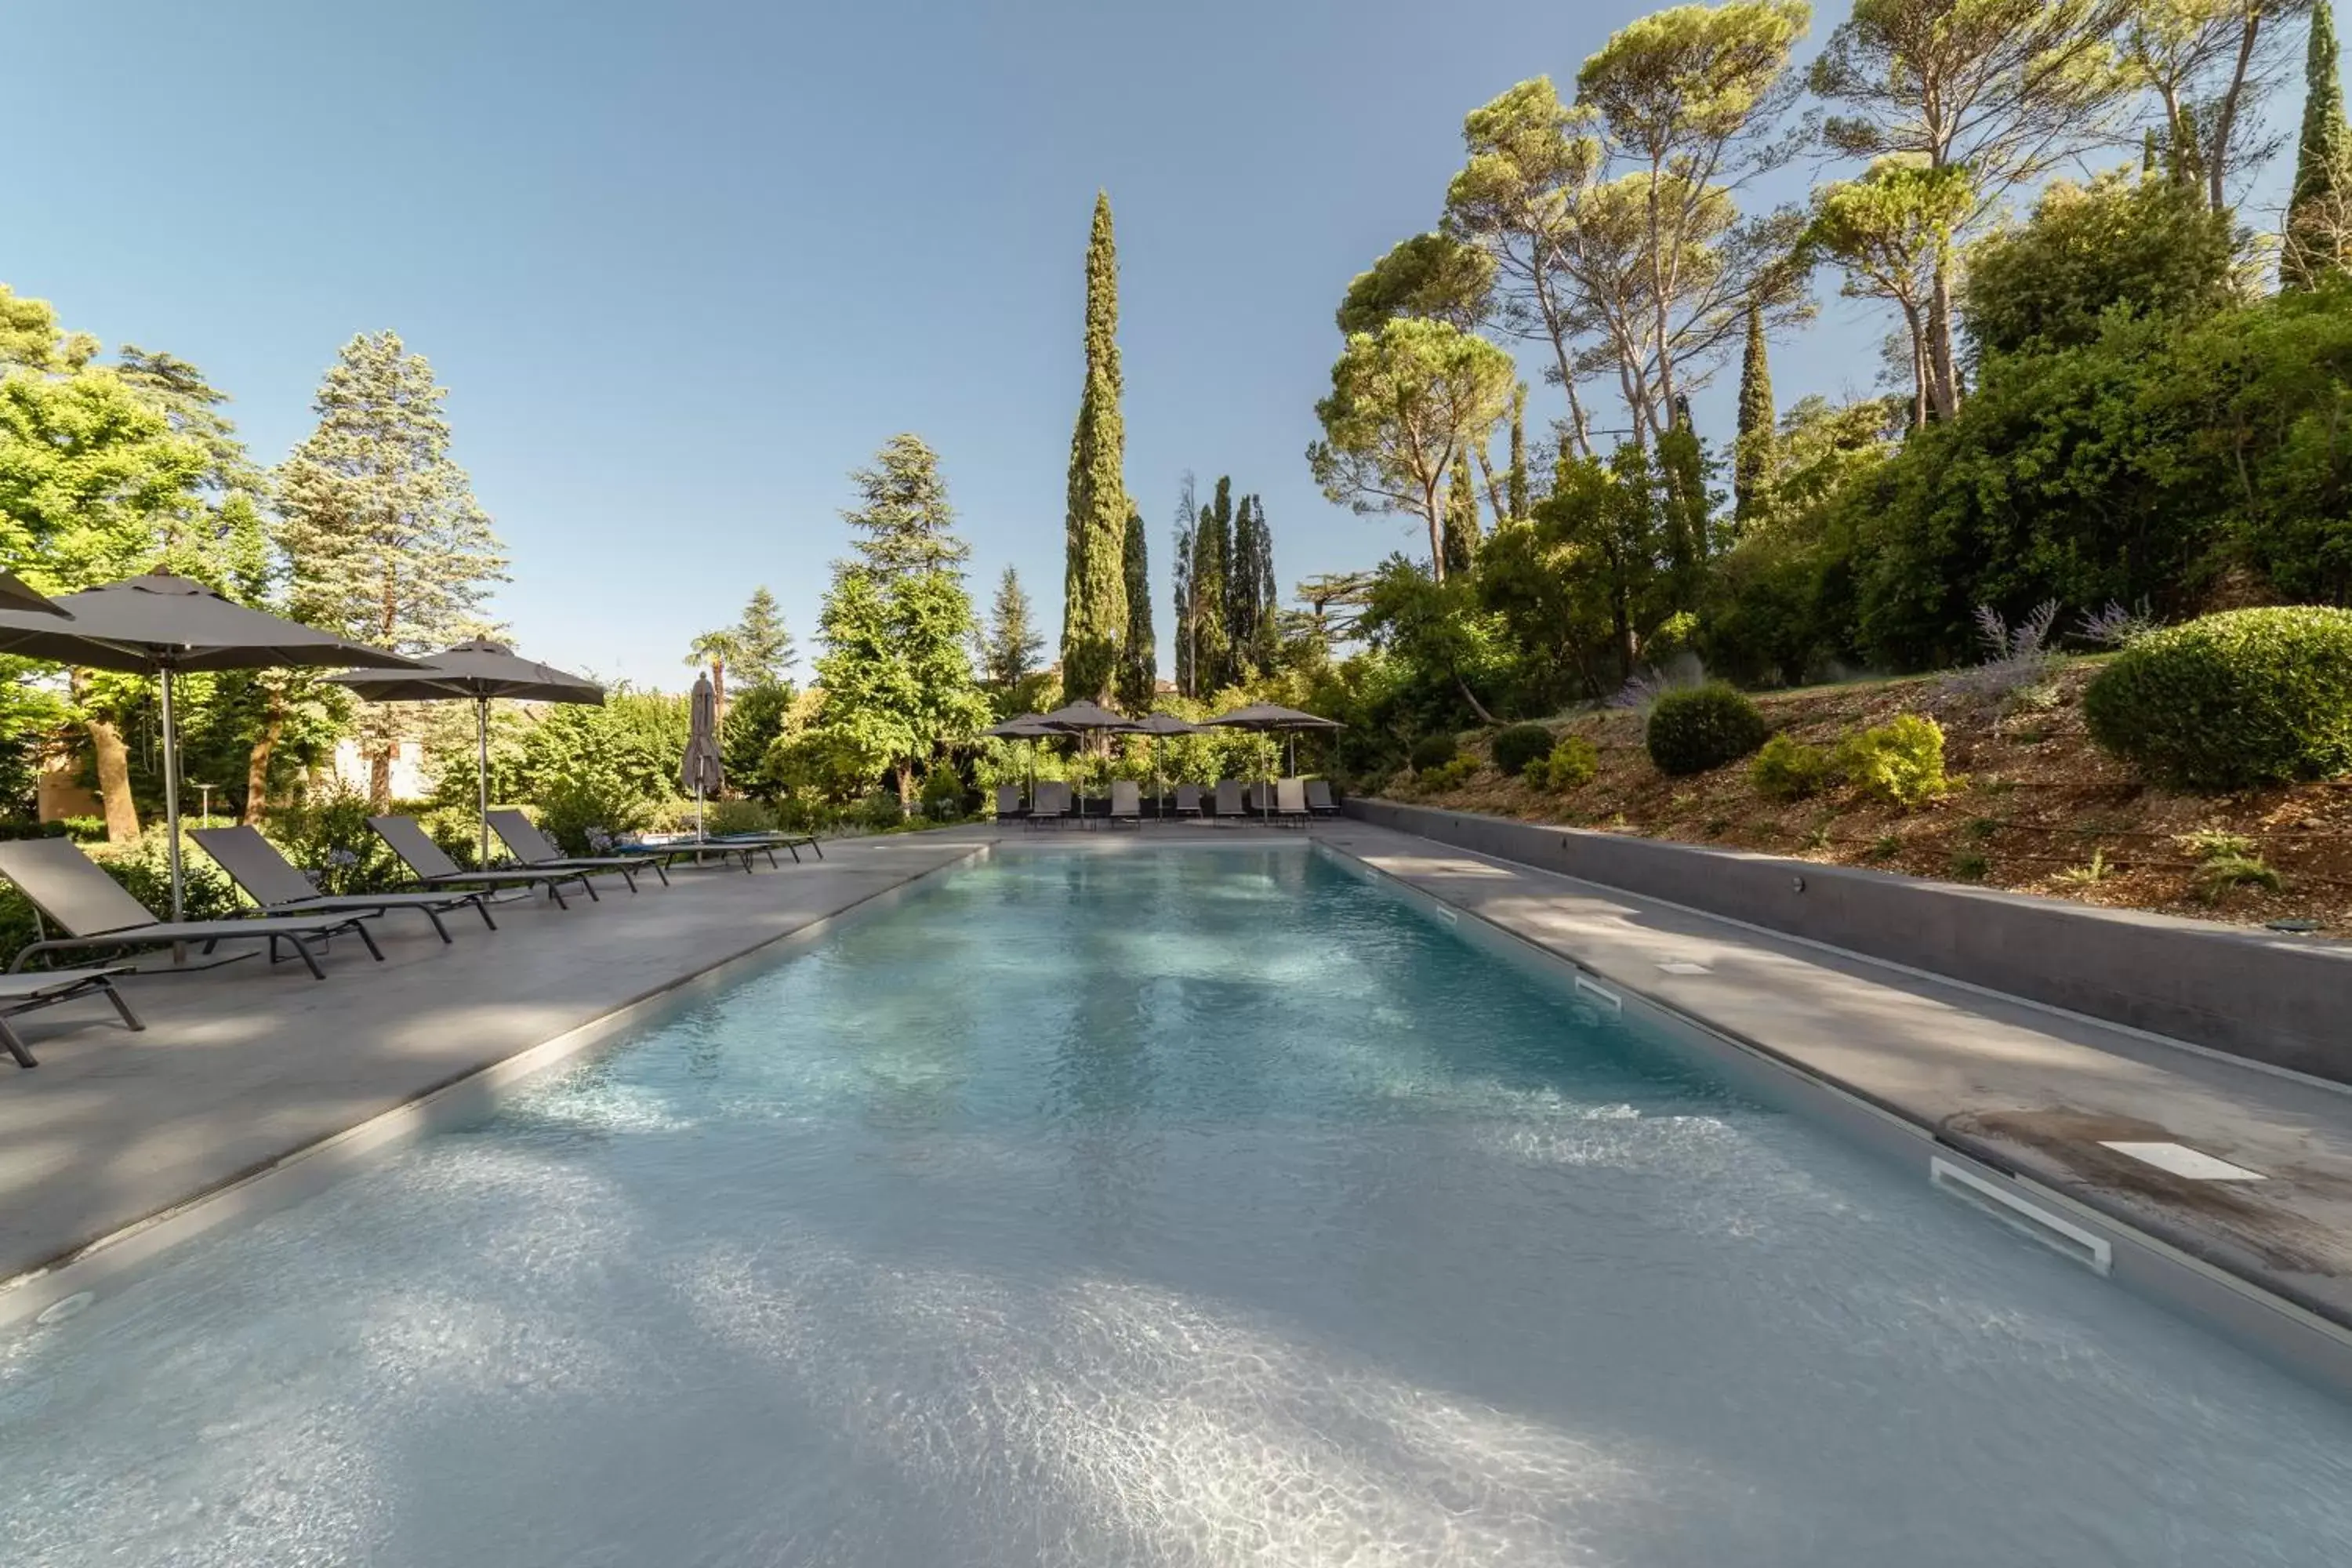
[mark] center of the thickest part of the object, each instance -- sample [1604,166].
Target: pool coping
[2241,1306]
[53,1289]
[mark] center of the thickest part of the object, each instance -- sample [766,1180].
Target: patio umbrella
[1157,725]
[480,669]
[1274,718]
[1088,719]
[700,771]
[162,625]
[17,595]
[1026,727]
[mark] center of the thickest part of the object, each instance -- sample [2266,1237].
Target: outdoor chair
[1126,803]
[1009,804]
[1319,798]
[99,916]
[743,846]
[47,988]
[534,849]
[1052,803]
[280,888]
[1229,799]
[432,868]
[1188,800]
[1291,802]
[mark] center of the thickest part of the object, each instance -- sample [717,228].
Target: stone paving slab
[242,1065]
[2034,1089]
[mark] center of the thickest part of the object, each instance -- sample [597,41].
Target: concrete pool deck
[247,1066]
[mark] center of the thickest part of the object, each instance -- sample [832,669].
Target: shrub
[942,795]
[881,811]
[1520,744]
[2248,696]
[1900,762]
[578,812]
[1574,763]
[1433,752]
[327,836]
[1448,775]
[1787,769]
[1701,728]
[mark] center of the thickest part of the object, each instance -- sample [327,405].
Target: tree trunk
[1943,380]
[905,771]
[2225,117]
[1494,490]
[1918,364]
[1436,532]
[718,690]
[380,777]
[115,781]
[1471,697]
[257,769]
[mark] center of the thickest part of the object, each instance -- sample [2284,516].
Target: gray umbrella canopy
[1167,724]
[1272,716]
[479,669]
[1081,717]
[699,769]
[162,625]
[1025,727]
[15,593]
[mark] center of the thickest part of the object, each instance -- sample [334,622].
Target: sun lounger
[1126,801]
[1009,804]
[1188,800]
[1319,798]
[1290,802]
[534,849]
[1229,799]
[1052,803]
[278,887]
[432,868]
[99,916]
[47,988]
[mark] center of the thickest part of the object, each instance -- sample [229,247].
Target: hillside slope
[2041,811]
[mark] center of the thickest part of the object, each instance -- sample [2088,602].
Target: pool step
[2054,1231]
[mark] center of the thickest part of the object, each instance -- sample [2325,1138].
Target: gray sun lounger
[1188,800]
[69,887]
[1319,798]
[432,868]
[535,851]
[1290,802]
[1009,806]
[1229,798]
[280,888]
[47,987]
[1126,801]
[1052,803]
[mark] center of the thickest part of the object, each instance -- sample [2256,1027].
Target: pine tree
[1094,607]
[2319,237]
[1212,542]
[1011,651]
[764,648]
[1517,490]
[1752,460]
[1181,565]
[902,511]
[383,538]
[1138,650]
[1461,518]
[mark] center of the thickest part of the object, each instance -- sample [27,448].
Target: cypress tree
[2315,226]
[1180,569]
[1461,517]
[1517,485]
[1138,653]
[1094,607]
[1752,460]
[1268,640]
[1212,535]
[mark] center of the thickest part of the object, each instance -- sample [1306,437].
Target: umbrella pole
[172,794]
[482,776]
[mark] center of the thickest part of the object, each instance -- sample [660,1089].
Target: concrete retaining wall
[2283,1000]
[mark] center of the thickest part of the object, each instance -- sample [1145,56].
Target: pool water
[1183,1207]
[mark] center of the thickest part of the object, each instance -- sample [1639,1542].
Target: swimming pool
[1199,1206]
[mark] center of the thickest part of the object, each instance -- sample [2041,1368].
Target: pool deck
[242,1066]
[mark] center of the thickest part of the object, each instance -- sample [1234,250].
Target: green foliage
[2245,697]
[755,718]
[1787,769]
[881,812]
[1754,450]
[1433,275]
[1519,745]
[1699,728]
[2318,241]
[1094,610]
[942,798]
[1572,763]
[1137,676]
[1447,775]
[1461,533]
[1435,751]
[1899,762]
[1012,646]
[325,833]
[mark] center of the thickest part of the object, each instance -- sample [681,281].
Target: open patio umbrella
[15,593]
[1088,719]
[1026,727]
[1273,719]
[480,669]
[1157,725]
[163,626]
[699,769]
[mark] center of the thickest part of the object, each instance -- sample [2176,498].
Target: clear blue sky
[682,268]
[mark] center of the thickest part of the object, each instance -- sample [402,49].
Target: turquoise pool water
[1177,1208]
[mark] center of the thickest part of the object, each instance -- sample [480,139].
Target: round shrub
[2249,697]
[1787,769]
[1702,727]
[1433,752]
[1899,762]
[1520,744]
[1572,764]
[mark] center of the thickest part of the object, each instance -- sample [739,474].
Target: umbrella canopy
[699,770]
[1025,727]
[1081,717]
[15,593]
[480,669]
[1167,724]
[162,625]
[1272,716]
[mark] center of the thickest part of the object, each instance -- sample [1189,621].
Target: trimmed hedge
[2245,697]
[1702,727]
[1433,752]
[1520,744]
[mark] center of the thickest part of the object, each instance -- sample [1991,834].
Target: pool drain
[2053,1231]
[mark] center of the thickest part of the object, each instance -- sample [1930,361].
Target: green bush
[1520,744]
[327,836]
[2249,697]
[1702,727]
[1900,762]
[1448,775]
[943,796]
[584,814]
[1574,763]
[1434,752]
[881,811]
[1787,769]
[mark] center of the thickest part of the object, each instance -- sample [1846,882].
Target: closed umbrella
[15,593]
[699,771]
[162,625]
[479,669]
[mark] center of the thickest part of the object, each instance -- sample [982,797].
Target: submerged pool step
[2054,1231]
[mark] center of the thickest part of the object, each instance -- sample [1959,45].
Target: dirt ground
[2040,810]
